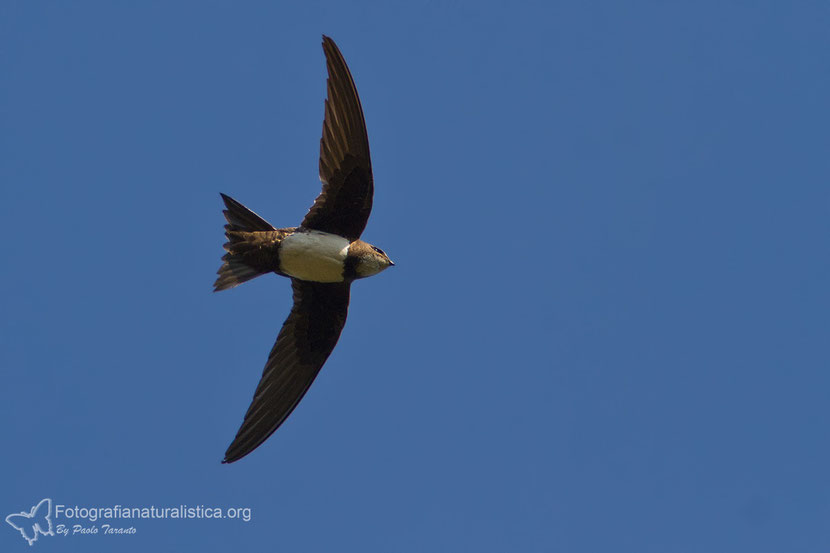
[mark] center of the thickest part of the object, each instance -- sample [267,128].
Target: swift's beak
[391,263]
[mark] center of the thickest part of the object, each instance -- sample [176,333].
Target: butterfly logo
[37,521]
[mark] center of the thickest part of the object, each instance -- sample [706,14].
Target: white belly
[314,255]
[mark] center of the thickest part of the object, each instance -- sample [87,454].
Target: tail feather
[241,218]
[234,272]
[247,232]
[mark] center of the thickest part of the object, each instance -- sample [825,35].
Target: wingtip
[329,46]
[235,452]
[232,458]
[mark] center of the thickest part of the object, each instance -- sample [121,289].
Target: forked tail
[247,233]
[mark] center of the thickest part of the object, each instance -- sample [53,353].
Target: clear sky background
[607,329]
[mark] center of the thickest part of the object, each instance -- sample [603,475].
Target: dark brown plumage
[252,246]
[313,327]
[306,340]
[344,205]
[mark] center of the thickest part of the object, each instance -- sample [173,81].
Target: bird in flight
[322,257]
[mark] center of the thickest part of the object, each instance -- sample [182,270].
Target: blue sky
[606,330]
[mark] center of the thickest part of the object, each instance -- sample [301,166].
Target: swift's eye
[380,251]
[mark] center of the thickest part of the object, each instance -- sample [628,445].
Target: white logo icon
[37,521]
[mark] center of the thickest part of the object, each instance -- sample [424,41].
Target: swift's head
[365,260]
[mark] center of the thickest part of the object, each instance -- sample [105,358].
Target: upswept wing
[344,205]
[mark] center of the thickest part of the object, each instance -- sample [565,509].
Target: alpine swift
[322,257]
